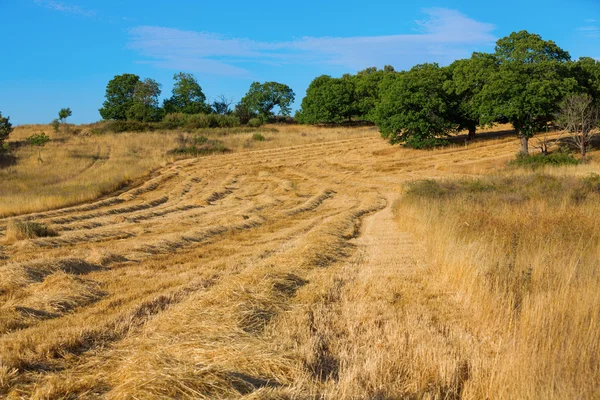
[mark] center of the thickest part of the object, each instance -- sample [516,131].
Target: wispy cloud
[590,31]
[442,36]
[65,8]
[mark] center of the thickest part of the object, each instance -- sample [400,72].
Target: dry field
[299,268]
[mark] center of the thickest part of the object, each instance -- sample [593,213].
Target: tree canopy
[187,96]
[145,106]
[120,93]
[328,100]
[262,98]
[414,106]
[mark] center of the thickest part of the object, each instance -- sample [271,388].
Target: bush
[17,230]
[174,121]
[255,123]
[198,121]
[541,160]
[127,126]
[257,137]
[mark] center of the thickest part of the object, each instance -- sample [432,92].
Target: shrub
[258,137]
[540,160]
[254,123]
[174,121]
[17,230]
[198,121]
[127,126]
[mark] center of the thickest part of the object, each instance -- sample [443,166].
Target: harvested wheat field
[308,271]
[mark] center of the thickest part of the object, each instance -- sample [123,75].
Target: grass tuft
[17,230]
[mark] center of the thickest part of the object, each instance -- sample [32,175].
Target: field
[319,263]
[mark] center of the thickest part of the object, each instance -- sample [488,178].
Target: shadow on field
[7,160]
[482,136]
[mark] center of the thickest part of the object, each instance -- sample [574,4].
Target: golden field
[317,264]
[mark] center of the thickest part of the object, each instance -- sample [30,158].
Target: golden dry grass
[296,268]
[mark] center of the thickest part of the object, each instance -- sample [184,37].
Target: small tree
[119,96]
[39,140]
[63,114]
[145,102]
[222,105]
[187,97]
[579,116]
[5,129]
[262,99]
[55,125]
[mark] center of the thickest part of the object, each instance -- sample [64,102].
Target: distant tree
[63,114]
[145,106]
[243,112]
[120,93]
[222,105]
[328,101]
[5,128]
[39,140]
[262,98]
[414,107]
[579,115]
[55,125]
[187,97]
[466,81]
[528,85]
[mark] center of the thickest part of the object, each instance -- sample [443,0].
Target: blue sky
[62,53]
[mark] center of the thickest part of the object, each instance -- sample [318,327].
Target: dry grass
[521,250]
[283,271]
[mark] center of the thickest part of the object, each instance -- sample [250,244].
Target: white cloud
[442,37]
[66,8]
[590,31]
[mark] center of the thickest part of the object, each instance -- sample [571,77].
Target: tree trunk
[524,145]
[582,150]
[472,130]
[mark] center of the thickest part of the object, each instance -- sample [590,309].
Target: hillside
[289,268]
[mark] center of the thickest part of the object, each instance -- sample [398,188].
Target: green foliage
[63,114]
[263,98]
[257,137]
[535,161]
[466,80]
[366,90]
[187,97]
[5,128]
[414,106]
[527,85]
[198,121]
[328,101]
[126,126]
[243,112]
[255,123]
[38,139]
[144,107]
[55,125]
[120,93]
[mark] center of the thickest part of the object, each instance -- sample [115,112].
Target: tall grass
[523,251]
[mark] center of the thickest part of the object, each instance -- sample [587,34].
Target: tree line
[525,81]
[128,97]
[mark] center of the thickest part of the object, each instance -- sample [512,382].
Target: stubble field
[301,267]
